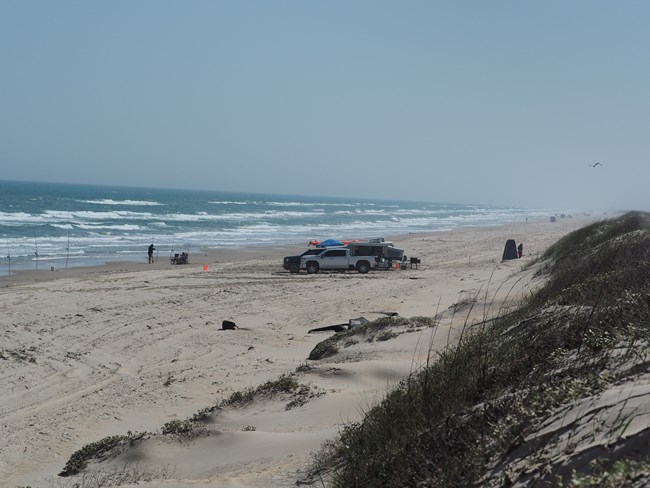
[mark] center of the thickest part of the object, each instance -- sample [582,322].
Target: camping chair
[181,258]
[415,261]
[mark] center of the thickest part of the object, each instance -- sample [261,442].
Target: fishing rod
[8,258]
[36,249]
[171,253]
[67,255]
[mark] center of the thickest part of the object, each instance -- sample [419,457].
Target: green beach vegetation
[541,396]
[286,387]
[381,329]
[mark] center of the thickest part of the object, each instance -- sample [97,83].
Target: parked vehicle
[371,251]
[339,258]
[292,263]
[375,248]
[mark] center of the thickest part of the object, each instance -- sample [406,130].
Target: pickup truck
[337,259]
[292,263]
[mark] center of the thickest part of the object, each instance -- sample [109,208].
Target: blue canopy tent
[331,243]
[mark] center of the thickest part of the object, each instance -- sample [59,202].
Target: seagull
[594,165]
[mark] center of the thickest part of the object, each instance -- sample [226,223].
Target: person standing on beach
[520,249]
[150,252]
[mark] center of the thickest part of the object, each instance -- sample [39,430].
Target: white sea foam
[110,227]
[231,203]
[312,204]
[134,203]
[18,218]
[62,215]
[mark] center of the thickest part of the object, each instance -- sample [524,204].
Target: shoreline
[211,256]
[79,226]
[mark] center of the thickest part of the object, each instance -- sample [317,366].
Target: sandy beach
[92,352]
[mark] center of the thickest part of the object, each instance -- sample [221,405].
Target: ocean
[44,225]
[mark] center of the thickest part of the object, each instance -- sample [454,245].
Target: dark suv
[292,263]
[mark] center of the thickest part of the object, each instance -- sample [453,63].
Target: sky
[500,102]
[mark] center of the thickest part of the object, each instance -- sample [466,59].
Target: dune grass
[96,450]
[382,329]
[458,421]
[287,384]
[127,475]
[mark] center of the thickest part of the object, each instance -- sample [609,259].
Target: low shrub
[97,450]
[178,427]
[376,330]
[326,348]
[287,384]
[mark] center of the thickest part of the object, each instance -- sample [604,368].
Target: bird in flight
[594,165]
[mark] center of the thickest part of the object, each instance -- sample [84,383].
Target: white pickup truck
[338,258]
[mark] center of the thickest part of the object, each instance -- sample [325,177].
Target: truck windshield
[311,252]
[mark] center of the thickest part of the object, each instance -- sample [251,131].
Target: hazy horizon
[503,103]
[126,186]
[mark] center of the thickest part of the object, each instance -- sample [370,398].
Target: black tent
[510,251]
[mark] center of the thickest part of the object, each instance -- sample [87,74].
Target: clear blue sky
[502,102]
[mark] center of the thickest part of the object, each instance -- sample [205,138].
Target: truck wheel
[363,267]
[312,268]
[294,268]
